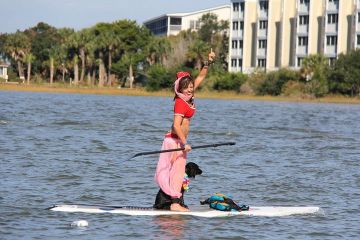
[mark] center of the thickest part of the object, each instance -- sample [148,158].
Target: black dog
[163,201]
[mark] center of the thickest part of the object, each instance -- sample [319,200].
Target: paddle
[183,148]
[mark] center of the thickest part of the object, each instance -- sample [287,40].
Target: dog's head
[192,169]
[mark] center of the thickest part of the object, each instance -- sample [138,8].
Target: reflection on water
[170,227]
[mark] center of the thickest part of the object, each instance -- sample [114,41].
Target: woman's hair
[184,83]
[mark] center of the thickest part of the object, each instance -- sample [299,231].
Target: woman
[170,170]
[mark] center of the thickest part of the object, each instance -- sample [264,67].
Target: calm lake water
[69,148]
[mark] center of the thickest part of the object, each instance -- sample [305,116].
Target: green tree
[314,70]
[214,33]
[16,47]
[158,50]
[197,53]
[158,78]
[133,41]
[345,74]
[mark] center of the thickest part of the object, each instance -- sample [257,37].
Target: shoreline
[225,95]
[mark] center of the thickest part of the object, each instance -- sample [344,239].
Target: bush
[256,80]
[293,89]
[158,78]
[229,81]
[274,81]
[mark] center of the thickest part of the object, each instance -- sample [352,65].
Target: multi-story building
[269,34]
[356,13]
[172,24]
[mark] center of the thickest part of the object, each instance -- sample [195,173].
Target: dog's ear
[192,169]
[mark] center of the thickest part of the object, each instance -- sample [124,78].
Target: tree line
[105,54]
[126,54]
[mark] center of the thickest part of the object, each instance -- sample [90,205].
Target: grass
[58,88]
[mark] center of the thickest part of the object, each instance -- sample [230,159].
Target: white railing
[333,5]
[261,52]
[304,8]
[303,28]
[331,28]
[301,50]
[330,50]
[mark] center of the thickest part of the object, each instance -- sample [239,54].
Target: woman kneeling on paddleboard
[170,169]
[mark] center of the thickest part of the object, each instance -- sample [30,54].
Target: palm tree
[196,52]
[158,50]
[17,45]
[29,59]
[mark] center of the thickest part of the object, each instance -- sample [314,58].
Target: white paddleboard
[196,211]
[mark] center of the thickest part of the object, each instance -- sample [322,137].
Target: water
[68,148]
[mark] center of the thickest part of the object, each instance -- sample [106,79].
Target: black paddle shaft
[183,148]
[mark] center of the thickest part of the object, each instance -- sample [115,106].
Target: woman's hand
[211,56]
[187,148]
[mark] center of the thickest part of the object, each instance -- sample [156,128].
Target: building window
[304,20]
[233,62]
[235,26]
[1,71]
[263,24]
[358,40]
[194,24]
[303,41]
[358,17]
[240,44]
[304,2]
[262,43]
[240,62]
[175,21]
[241,25]
[236,7]
[300,60]
[242,6]
[234,44]
[331,40]
[332,18]
[264,5]
[262,63]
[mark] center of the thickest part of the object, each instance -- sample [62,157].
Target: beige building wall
[345,21]
[250,18]
[316,25]
[274,34]
[288,12]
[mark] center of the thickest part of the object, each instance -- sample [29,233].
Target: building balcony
[331,28]
[303,29]
[262,33]
[261,53]
[332,6]
[236,52]
[263,14]
[175,27]
[330,50]
[302,50]
[304,8]
[238,15]
[237,33]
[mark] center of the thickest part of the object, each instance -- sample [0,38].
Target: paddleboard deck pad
[194,211]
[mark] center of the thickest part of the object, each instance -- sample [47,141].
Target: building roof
[187,13]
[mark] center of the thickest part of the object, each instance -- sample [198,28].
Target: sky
[78,14]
